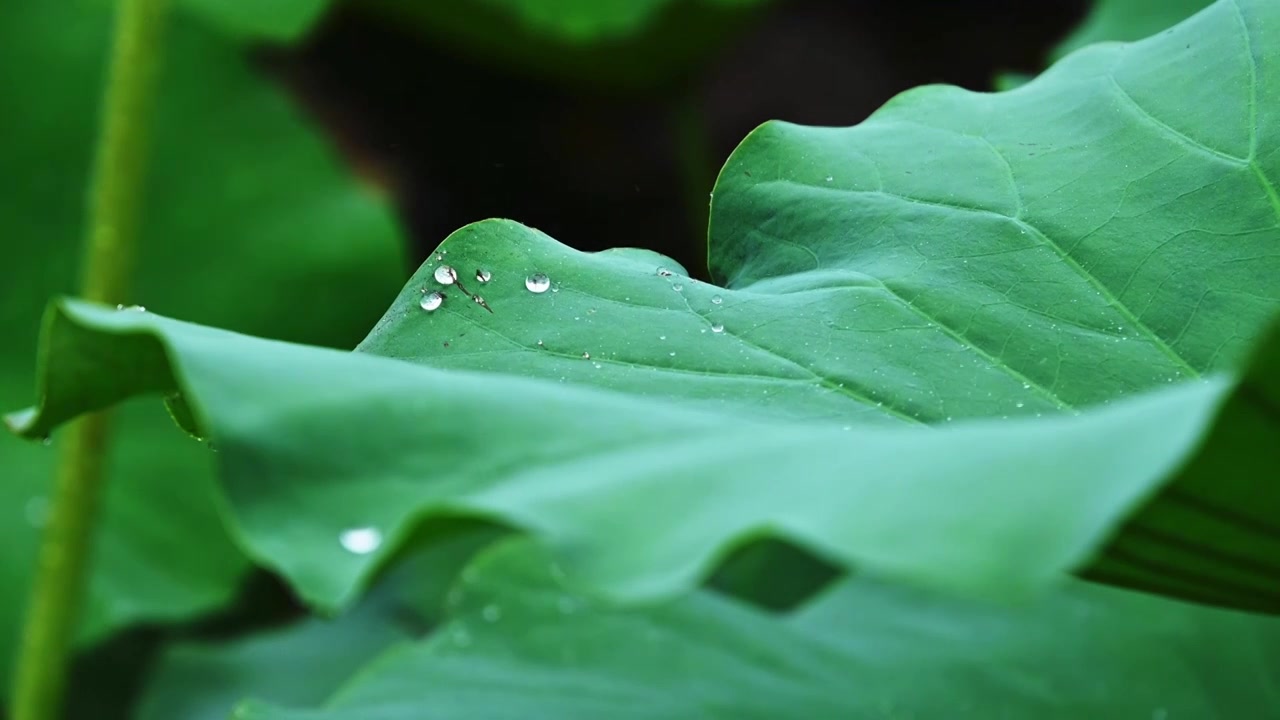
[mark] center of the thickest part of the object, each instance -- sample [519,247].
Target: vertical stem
[110,242]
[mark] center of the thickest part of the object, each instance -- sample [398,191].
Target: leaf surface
[639,496]
[521,645]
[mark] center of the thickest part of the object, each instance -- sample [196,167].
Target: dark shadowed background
[596,143]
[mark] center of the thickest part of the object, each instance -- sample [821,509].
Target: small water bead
[131,308]
[445,275]
[537,283]
[431,301]
[491,613]
[361,540]
[717,328]
[1019,404]
[597,365]
[663,272]
[483,276]
[586,356]
[672,353]
[716,299]
[677,287]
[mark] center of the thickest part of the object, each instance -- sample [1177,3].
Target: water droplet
[672,353]
[131,308]
[716,299]
[555,288]
[491,613]
[47,440]
[483,276]
[445,275]
[717,328]
[663,272]
[537,283]
[830,178]
[597,365]
[1019,404]
[677,287]
[662,337]
[540,343]
[361,540]
[37,511]
[431,301]
[586,356]
[1026,386]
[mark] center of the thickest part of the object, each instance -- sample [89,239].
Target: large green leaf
[324,455]
[522,646]
[937,276]
[250,224]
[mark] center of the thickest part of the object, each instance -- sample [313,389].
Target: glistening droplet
[586,356]
[717,328]
[537,283]
[431,301]
[716,299]
[361,540]
[677,287]
[663,272]
[483,276]
[445,275]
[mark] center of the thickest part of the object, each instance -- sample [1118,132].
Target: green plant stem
[115,198]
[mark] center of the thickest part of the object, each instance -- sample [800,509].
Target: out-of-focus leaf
[273,20]
[611,46]
[304,663]
[251,224]
[521,646]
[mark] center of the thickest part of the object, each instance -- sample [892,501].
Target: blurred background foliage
[308,153]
